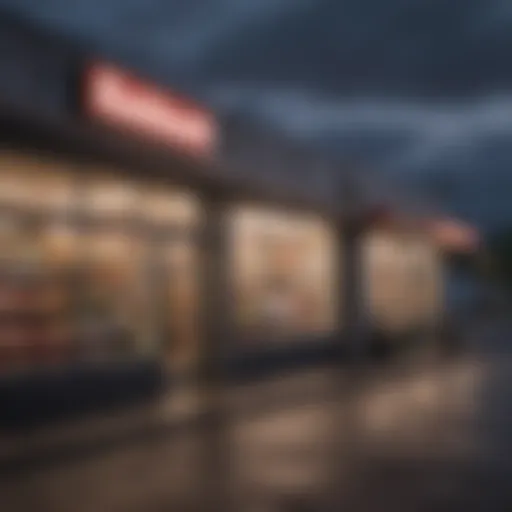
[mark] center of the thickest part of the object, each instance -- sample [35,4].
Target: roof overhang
[29,130]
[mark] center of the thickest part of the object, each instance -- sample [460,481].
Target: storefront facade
[123,246]
[107,266]
[112,258]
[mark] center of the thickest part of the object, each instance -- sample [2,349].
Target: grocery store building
[128,252]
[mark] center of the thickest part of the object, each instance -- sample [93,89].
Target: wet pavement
[430,432]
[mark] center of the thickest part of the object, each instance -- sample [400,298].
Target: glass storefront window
[115,311]
[35,326]
[33,183]
[284,273]
[15,245]
[17,254]
[422,281]
[181,262]
[35,323]
[73,290]
[401,280]
[167,206]
[108,197]
[59,243]
[54,192]
[385,279]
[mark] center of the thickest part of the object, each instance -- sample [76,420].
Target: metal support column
[215,289]
[352,290]
[351,230]
[215,328]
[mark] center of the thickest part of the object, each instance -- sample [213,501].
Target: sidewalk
[408,429]
[179,407]
[184,409]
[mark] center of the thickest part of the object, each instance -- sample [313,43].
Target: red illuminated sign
[118,98]
[454,235]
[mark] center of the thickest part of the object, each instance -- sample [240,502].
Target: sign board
[118,98]
[453,235]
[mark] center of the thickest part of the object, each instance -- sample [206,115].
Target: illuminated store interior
[94,266]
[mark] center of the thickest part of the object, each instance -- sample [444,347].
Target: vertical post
[215,289]
[352,287]
[215,328]
[157,274]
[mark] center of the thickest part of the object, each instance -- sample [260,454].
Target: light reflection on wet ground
[432,435]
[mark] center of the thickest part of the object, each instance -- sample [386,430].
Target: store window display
[167,207]
[73,283]
[109,305]
[182,264]
[35,184]
[107,198]
[142,270]
[94,266]
[423,274]
[35,248]
[115,304]
[382,277]
[284,273]
[172,218]
[401,280]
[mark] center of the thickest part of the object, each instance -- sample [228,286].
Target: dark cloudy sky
[418,87]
